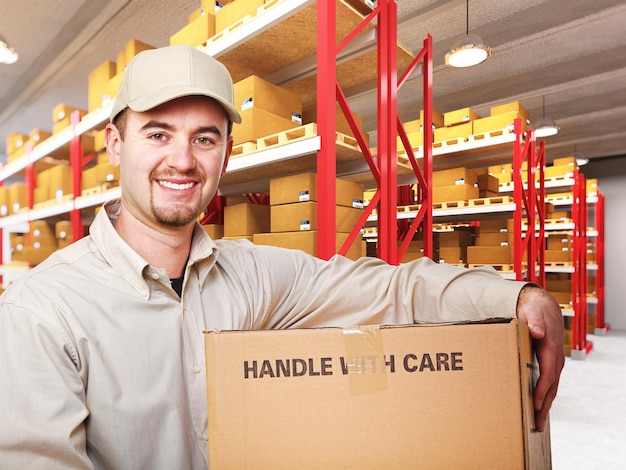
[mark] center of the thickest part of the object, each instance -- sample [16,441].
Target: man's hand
[540,311]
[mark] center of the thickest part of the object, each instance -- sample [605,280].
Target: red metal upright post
[326,128]
[387,119]
[599,213]
[76,162]
[580,345]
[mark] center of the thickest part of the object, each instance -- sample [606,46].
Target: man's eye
[157,136]
[204,141]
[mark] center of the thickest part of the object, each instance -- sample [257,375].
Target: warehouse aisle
[588,418]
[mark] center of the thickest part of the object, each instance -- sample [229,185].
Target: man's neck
[166,248]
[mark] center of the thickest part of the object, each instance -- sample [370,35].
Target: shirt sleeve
[42,396]
[309,292]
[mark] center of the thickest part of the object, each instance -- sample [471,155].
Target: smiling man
[101,345]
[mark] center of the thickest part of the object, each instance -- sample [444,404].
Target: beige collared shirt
[102,364]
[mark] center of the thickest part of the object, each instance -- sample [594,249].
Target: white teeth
[178,186]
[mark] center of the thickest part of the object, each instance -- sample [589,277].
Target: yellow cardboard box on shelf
[303,216]
[302,187]
[512,107]
[307,242]
[254,92]
[459,116]
[98,78]
[131,49]
[370,397]
[257,123]
[246,219]
[197,31]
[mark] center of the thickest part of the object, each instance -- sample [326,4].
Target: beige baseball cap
[156,76]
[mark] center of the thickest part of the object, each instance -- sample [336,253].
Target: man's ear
[112,143]
[229,149]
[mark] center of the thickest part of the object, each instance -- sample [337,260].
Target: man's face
[171,159]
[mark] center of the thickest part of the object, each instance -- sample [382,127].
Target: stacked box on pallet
[244,219]
[488,186]
[41,242]
[414,250]
[458,124]
[293,214]
[61,116]
[309,115]
[451,246]
[265,109]
[493,245]
[199,28]
[15,145]
[559,249]
[504,173]
[502,118]
[456,184]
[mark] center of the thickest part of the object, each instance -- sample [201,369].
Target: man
[101,346]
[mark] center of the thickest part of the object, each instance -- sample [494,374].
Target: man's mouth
[177,186]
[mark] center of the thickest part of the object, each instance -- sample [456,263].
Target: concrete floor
[588,418]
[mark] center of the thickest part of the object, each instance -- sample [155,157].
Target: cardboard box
[196,33]
[257,123]
[63,111]
[455,238]
[437,117]
[496,225]
[303,216]
[233,12]
[504,173]
[495,239]
[98,78]
[254,92]
[303,187]
[498,122]
[458,131]
[14,141]
[558,256]
[453,176]
[111,88]
[452,254]
[37,136]
[513,107]
[444,396]
[307,242]
[565,161]
[215,231]
[59,181]
[246,219]
[416,139]
[459,116]
[556,171]
[63,230]
[454,192]
[488,183]
[126,55]
[17,197]
[489,254]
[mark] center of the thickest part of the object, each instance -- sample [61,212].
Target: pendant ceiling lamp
[468,50]
[581,160]
[8,55]
[545,127]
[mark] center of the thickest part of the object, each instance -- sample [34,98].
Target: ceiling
[572,54]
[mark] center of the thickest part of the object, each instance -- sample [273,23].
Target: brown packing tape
[364,361]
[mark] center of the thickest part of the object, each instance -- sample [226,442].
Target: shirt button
[205,436]
[197,369]
[155,276]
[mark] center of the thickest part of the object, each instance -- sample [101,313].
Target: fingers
[545,321]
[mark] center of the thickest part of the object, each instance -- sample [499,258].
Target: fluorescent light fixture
[468,50]
[8,55]
[545,127]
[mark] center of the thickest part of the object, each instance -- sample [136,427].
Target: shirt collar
[128,263]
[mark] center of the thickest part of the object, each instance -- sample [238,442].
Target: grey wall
[611,175]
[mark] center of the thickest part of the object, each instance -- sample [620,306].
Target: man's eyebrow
[152,124]
[156,125]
